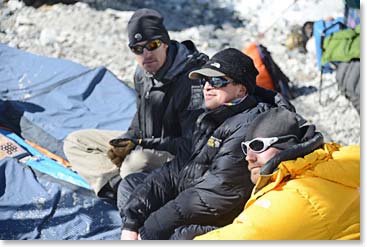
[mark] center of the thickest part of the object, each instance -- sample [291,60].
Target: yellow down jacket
[314,197]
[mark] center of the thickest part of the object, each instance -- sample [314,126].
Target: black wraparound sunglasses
[215,82]
[150,46]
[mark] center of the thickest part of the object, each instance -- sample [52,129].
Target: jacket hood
[342,166]
[312,158]
[310,141]
[180,57]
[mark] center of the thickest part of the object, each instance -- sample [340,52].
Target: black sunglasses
[150,46]
[215,82]
[259,145]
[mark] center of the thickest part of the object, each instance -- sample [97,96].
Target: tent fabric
[44,99]
[34,205]
[42,163]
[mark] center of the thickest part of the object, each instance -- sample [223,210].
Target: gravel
[93,33]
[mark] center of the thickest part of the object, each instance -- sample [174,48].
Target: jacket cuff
[130,225]
[150,143]
[144,235]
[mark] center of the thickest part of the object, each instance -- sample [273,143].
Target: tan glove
[119,150]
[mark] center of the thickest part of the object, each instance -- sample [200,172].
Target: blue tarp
[44,99]
[34,205]
[44,164]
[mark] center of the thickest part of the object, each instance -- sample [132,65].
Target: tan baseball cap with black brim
[196,74]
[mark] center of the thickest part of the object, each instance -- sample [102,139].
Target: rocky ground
[93,33]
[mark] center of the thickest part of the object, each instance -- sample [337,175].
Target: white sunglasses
[260,144]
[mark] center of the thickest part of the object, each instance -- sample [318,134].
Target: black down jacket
[211,188]
[168,102]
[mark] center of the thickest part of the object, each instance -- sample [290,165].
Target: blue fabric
[44,99]
[44,164]
[318,29]
[353,17]
[34,205]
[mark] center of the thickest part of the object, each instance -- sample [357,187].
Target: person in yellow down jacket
[304,190]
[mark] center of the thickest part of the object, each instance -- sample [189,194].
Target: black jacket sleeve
[157,189]
[216,199]
[133,131]
[190,231]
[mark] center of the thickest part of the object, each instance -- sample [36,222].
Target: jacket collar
[292,168]
[311,141]
[171,54]
[180,56]
[220,114]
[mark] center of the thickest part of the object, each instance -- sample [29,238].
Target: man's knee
[75,139]
[78,135]
[88,141]
[127,186]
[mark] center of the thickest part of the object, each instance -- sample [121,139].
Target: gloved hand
[120,148]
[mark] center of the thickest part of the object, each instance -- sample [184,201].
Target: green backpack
[342,46]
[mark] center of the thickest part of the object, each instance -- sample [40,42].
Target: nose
[251,156]
[146,52]
[207,86]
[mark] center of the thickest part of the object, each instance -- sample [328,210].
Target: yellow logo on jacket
[214,142]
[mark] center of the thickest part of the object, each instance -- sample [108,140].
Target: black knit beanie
[232,63]
[276,122]
[146,24]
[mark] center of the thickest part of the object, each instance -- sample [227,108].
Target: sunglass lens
[150,46]
[137,49]
[218,82]
[153,45]
[203,80]
[215,82]
[256,145]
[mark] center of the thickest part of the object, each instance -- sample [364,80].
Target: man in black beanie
[210,186]
[168,103]
[148,39]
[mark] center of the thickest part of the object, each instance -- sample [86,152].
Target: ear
[242,92]
[165,46]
